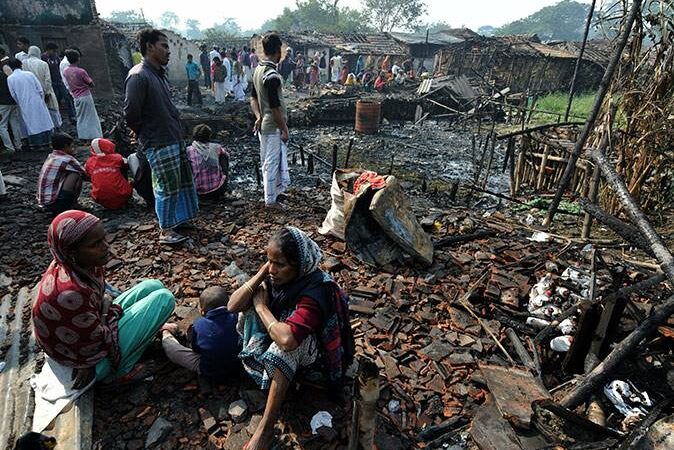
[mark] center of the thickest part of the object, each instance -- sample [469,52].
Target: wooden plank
[490,431]
[514,389]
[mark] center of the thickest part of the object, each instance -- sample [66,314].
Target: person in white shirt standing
[336,63]
[40,69]
[28,94]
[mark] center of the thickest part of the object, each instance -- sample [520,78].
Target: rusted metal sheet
[16,408]
[72,428]
[514,389]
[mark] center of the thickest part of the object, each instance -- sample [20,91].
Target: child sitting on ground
[210,163]
[215,342]
[60,182]
[107,170]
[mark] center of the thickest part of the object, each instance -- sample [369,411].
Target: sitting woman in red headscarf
[76,323]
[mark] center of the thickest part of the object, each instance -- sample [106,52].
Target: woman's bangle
[248,288]
[271,325]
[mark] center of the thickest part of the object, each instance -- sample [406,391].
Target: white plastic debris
[320,419]
[537,322]
[586,251]
[627,399]
[551,266]
[546,312]
[567,326]
[576,277]
[561,343]
[562,291]
[2,366]
[529,220]
[539,236]
[393,406]
[538,302]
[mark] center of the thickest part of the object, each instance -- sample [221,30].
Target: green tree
[169,20]
[318,15]
[223,31]
[486,30]
[564,21]
[129,16]
[433,27]
[192,29]
[386,15]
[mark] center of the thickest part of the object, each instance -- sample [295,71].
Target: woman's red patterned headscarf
[67,311]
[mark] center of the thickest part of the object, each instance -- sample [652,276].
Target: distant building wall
[47,12]
[180,48]
[88,38]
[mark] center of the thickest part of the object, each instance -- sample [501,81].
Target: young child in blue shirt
[215,342]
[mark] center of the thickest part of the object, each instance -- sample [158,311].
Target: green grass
[556,103]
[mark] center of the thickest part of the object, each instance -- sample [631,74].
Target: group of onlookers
[33,88]
[227,72]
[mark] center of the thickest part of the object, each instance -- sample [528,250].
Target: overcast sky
[252,13]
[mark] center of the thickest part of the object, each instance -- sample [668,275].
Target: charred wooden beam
[625,230]
[450,240]
[660,314]
[537,128]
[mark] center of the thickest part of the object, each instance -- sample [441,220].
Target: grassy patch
[557,102]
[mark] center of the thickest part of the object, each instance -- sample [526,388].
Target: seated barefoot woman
[299,317]
[75,323]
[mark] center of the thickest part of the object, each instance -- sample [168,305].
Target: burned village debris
[475,326]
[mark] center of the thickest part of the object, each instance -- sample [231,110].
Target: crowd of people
[228,72]
[318,69]
[289,315]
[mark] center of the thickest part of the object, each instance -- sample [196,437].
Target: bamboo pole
[592,118]
[541,170]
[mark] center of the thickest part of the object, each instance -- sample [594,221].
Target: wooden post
[310,164]
[596,173]
[364,418]
[334,159]
[489,161]
[519,172]
[256,167]
[348,154]
[593,194]
[592,118]
[572,89]
[544,162]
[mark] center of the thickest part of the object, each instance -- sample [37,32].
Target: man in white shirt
[28,94]
[215,52]
[336,63]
